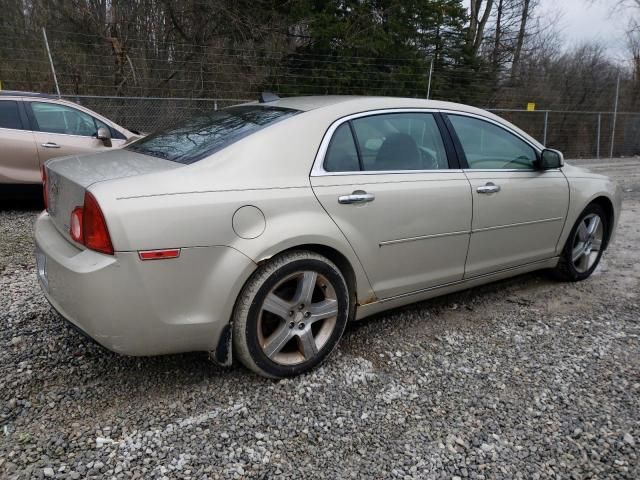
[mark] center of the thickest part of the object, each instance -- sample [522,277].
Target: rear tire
[290,315]
[583,250]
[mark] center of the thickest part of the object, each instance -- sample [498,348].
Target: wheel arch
[340,260]
[607,205]
[223,354]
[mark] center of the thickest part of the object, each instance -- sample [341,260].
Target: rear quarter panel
[194,206]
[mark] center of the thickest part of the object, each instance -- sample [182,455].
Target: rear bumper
[141,308]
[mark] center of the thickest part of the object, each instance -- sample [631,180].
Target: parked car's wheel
[290,315]
[584,247]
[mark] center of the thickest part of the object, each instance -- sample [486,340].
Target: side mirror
[105,135]
[550,159]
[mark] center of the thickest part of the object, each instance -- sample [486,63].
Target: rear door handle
[50,145]
[490,187]
[359,196]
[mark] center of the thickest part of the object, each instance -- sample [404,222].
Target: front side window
[9,115]
[203,135]
[487,146]
[54,118]
[114,133]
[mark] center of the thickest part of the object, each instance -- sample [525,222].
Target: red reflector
[75,227]
[159,254]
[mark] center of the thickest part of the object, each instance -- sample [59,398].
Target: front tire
[583,250]
[290,315]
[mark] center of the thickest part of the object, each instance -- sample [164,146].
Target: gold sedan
[258,231]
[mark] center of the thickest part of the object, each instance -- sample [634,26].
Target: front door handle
[359,196]
[50,145]
[490,187]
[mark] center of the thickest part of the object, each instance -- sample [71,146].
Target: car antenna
[266,97]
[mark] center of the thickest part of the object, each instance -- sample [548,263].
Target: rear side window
[400,141]
[342,155]
[387,142]
[203,135]
[9,116]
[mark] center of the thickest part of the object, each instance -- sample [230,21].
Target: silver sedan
[258,231]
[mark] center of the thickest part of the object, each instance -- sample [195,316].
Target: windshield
[202,135]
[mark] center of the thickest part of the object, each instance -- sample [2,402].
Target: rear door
[386,180]
[61,130]
[518,210]
[19,158]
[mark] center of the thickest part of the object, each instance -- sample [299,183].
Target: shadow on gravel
[21,197]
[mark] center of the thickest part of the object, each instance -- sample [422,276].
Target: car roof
[17,93]
[307,103]
[344,105]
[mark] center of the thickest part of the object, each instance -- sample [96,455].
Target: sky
[585,21]
[582,20]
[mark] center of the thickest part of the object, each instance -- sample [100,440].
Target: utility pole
[615,116]
[53,70]
[430,74]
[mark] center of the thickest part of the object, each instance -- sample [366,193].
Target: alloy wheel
[587,242]
[297,318]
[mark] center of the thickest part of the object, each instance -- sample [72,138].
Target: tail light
[45,187]
[88,227]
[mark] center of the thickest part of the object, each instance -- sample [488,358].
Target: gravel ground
[525,378]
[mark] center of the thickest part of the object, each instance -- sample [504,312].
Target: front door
[61,130]
[518,211]
[387,183]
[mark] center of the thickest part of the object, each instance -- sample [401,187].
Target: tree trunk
[496,43]
[477,23]
[520,39]
[482,22]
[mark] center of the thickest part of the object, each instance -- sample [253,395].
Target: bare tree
[477,23]
[634,48]
[524,18]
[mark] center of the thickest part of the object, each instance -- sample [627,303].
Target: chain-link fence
[577,134]
[145,84]
[581,134]
[146,114]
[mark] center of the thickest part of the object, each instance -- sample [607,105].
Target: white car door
[386,181]
[518,210]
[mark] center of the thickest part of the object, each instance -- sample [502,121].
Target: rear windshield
[205,134]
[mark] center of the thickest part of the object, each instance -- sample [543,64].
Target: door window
[54,118]
[400,141]
[342,155]
[487,146]
[9,115]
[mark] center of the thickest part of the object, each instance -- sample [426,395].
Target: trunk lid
[69,177]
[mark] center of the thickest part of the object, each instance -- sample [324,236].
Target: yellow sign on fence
[531,107]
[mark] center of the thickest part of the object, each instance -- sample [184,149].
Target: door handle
[50,145]
[359,196]
[490,187]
